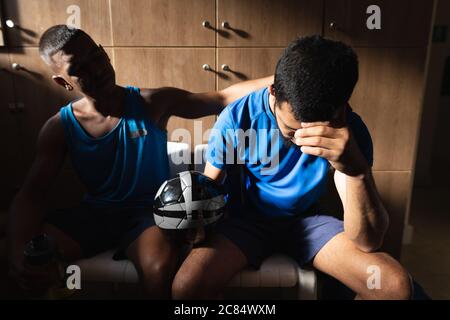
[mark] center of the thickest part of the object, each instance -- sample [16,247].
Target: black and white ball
[189,201]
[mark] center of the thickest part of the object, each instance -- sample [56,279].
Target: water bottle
[41,254]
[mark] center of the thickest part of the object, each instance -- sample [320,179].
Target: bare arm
[365,218]
[214,173]
[28,208]
[167,102]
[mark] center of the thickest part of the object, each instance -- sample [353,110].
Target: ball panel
[172,192]
[161,188]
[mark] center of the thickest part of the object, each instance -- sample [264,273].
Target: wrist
[359,175]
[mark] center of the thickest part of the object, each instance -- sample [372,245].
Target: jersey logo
[138,133]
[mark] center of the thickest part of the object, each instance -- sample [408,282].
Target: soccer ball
[191,202]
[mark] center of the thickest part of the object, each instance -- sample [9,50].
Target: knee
[397,282]
[399,285]
[152,269]
[187,286]
[155,273]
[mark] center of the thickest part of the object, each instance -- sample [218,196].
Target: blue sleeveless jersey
[125,167]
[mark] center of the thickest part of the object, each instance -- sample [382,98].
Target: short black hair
[55,39]
[315,76]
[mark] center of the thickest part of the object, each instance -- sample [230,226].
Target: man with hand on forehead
[309,126]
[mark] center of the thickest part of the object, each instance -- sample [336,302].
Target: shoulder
[52,135]
[53,125]
[357,124]
[147,93]
[361,134]
[245,110]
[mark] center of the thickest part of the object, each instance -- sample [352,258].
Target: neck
[111,104]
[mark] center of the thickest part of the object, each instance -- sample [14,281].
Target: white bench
[277,271]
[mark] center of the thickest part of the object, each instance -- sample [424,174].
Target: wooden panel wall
[156,43]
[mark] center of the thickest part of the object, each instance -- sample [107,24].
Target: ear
[271,90]
[62,82]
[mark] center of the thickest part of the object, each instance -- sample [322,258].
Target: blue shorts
[100,229]
[300,237]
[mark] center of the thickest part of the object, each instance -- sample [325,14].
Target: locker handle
[16,66]
[10,24]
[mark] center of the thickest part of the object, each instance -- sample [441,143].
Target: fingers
[323,131]
[318,152]
[314,124]
[316,141]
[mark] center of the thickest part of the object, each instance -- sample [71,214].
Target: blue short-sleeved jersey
[272,178]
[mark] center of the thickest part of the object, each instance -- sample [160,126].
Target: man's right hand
[29,279]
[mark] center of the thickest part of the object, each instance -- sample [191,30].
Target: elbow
[224,98]
[369,246]
[373,240]
[367,243]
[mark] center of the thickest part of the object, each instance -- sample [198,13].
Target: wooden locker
[163,22]
[394,188]
[33,17]
[388,97]
[404,23]
[37,94]
[245,64]
[253,23]
[11,161]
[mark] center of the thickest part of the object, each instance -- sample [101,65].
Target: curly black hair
[315,76]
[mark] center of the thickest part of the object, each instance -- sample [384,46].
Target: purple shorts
[300,237]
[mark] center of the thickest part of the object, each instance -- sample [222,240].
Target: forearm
[241,89]
[185,104]
[365,218]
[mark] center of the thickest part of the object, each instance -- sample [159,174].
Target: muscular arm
[365,218]
[167,102]
[28,208]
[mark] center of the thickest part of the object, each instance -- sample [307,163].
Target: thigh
[304,237]
[341,259]
[211,266]
[154,249]
[93,229]
[256,239]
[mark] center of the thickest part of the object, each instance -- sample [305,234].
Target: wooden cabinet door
[175,67]
[394,188]
[33,17]
[163,22]
[37,96]
[388,97]
[245,64]
[404,23]
[255,23]
[10,140]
